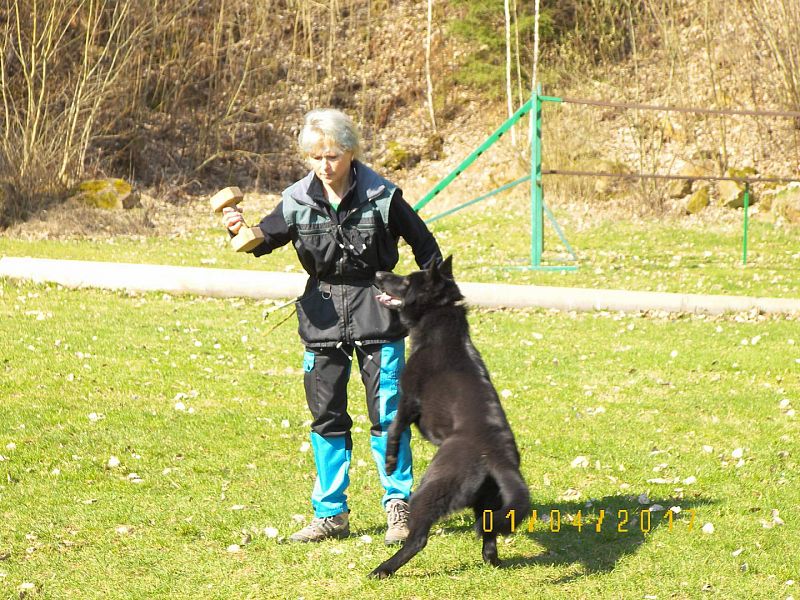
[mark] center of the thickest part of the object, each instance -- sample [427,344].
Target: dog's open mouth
[389,300]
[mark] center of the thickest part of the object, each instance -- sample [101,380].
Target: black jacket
[341,252]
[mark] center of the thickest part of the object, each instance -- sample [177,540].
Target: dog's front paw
[391,464]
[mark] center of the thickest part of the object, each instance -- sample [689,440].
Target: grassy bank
[671,256]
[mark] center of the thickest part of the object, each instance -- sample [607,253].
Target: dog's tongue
[388,300]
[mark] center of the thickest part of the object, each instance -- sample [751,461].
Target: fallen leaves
[775,522]
[579,462]
[570,495]
[785,406]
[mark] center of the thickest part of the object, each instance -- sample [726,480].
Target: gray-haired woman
[345,221]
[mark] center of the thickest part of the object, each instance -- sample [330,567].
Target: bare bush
[58,62]
[777,25]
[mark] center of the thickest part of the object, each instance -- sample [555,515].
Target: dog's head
[415,294]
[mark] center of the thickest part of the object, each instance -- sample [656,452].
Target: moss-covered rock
[731,193]
[694,171]
[399,157]
[786,203]
[698,200]
[109,194]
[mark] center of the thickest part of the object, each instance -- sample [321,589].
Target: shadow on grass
[610,529]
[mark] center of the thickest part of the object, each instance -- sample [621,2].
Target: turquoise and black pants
[327,371]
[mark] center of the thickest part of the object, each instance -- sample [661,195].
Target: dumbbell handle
[244,223]
[248,237]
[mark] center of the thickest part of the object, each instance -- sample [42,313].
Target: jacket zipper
[345,305]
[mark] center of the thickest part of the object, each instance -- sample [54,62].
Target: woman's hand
[232,219]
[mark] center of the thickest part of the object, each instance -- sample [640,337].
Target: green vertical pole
[537,194]
[746,220]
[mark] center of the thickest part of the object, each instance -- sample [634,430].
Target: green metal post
[746,220]
[537,194]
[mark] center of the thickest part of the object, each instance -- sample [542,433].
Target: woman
[345,221]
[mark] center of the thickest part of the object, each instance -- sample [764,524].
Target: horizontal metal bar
[684,109]
[660,176]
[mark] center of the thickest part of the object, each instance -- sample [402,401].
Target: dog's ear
[446,268]
[410,296]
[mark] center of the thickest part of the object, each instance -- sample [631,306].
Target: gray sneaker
[397,520]
[324,528]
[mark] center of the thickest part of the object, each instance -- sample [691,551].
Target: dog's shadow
[608,530]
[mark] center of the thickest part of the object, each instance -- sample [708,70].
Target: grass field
[142,436]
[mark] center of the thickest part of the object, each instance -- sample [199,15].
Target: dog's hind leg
[418,530]
[489,550]
[446,487]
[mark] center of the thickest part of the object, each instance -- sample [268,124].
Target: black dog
[447,393]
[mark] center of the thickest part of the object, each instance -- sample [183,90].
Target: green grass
[231,464]
[671,256]
[228,467]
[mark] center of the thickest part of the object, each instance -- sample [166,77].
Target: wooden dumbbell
[248,237]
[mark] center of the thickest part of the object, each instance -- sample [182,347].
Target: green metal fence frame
[538,207]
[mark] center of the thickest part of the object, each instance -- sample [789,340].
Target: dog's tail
[516,499]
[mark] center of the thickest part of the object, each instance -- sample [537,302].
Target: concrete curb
[226,283]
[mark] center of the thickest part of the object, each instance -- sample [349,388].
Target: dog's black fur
[448,394]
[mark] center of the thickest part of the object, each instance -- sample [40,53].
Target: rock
[399,157]
[109,194]
[766,198]
[678,188]
[731,193]
[607,187]
[786,203]
[697,201]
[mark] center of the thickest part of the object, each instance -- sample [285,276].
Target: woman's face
[330,163]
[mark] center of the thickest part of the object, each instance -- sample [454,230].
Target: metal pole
[746,221]
[537,194]
[502,188]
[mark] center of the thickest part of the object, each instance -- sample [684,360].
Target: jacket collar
[368,185]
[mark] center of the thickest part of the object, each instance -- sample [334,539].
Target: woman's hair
[329,124]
